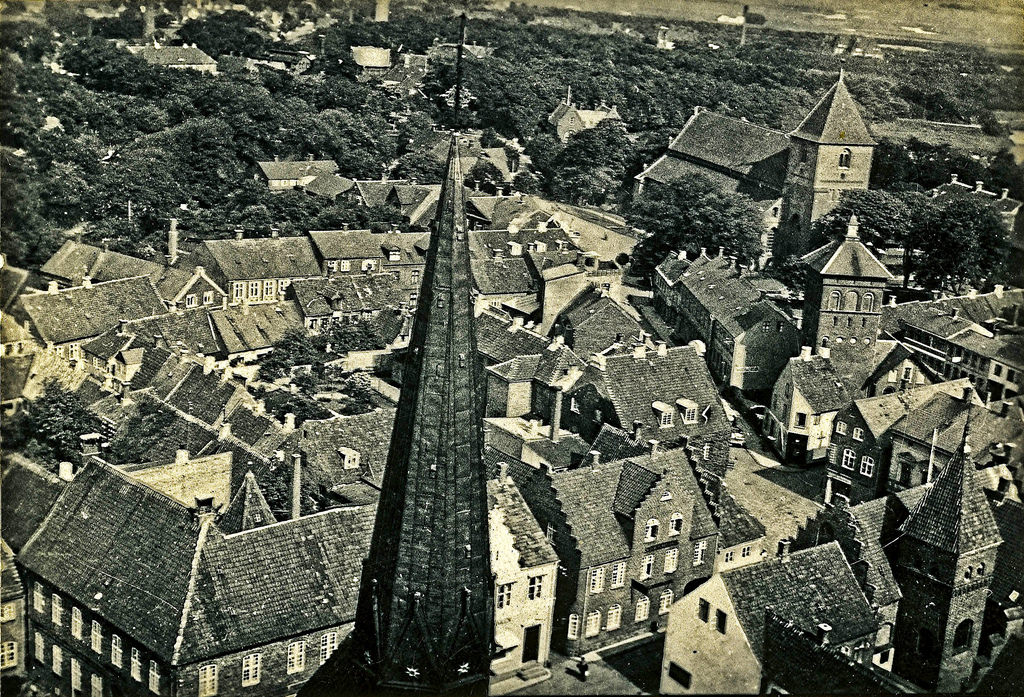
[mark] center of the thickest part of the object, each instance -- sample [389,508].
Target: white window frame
[344,265]
[651,530]
[251,669]
[8,654]
[613,620]
[76,622]
[642,610]
[238,290]
[535,589]
[254,289]
[574,406]
[57,659]
[849,458]
[154,677]
[699,549]
[833,454]
[116,651]
[8,612]
[269,289]
[867,466]
[76,675]
[136,665]
[191,300]
[593,624]
[597,580]
[858,433]
[296,656]
[675,525]
[729,556]
[706,451]
[207,677]
[665,601]
[841,428]
[573,630]
[96,685]
[40,647]
[618,579]
[745,552]
[665,420]
[207,297]
[332,266]
[328,645]
[671,560]
[503,595]
[56,610]
[96,636]
[647,570]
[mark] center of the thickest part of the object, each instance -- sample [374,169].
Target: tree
[296,347]
[691,214]
[420,166]
[884,217]
[526,182]
[234,32]
[484,174]
[592,167]
[50,427]
[963,243]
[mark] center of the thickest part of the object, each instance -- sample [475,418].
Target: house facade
[256,271]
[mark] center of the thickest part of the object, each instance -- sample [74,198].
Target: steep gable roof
[27,493]
[818,381]
[269,257]
[835,119]
[880,413]
[739,147]
[1008,573]
[529,540]
[297,169]
[247,510]
[847,257]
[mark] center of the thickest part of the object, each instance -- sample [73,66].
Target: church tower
[830,152]
[843,295]
[944,567]
[424,622]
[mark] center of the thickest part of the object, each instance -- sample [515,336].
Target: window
[208,297]
[720,618]
[96,685]
[665,601]
[671,560]
[801,420]
[154,677]
[745,552]
[679,674]
[867,302]
[618,575]
[614,617]
[328,643]
[833,453]
[705,452]
[503,596]
[690,415]
[643,609]
[115,650]
[665,419]
[849,457]
[703,610]
[254,289]
[269,291]
[536,588]
[835,300]
[8,613]
[191,300]
[858,434]
[844,158]
[40,648]
[675,525]
[296,657]
[344,265]
[816,419]
[76,676]
[416,275]
[56,610]
[597,580]
[648,567]
[574,627]
[57,656]
[593,626]
[369,264]
[332,266]
[8,654]
[208,680]
[962,635]
[867,466]
[549,532]
[729,556]
[251,669]
[238,291]
[76,623]
[136,665]
[651,530]
[96,637]
[699,548]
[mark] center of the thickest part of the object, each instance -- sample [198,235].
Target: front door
[531,643]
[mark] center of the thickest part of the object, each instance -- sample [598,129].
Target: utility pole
[743,27]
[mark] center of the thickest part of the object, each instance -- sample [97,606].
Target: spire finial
[853,228]
[842,69]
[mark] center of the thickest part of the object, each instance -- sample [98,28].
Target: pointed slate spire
[425,613]
[954,514]
[835,120]
[247,510]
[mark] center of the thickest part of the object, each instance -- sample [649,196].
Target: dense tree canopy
[962,242]
[50,427]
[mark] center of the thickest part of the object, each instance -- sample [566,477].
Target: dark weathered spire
[247,510]
[425,617]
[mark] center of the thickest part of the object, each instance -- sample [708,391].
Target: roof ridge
[204,529]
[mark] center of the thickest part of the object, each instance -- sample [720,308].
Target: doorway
[531,643]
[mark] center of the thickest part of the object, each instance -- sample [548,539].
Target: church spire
[425,617]
[835,119]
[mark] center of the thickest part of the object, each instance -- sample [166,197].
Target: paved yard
[633,671]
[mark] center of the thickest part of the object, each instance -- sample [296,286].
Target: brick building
[12,616]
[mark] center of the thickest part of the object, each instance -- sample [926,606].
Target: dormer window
[394,255]
[844,158]
[688,409]
[349,458]
[665,414]
[651,530]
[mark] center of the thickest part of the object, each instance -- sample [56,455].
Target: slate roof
[499,340]
[529,540]
[75,260]
[1008,573]
[268,257]
[880,413]
[954,514]
[835,119]
[736,525]
[27,492]
[74,314]
[347,244]
[811,586]
[248,509]
[361,293]
[10,579]
[329,185]
[847,257]
[297,169]
[257,327]
[368,434]
[819,382]
[597,322]
[502,276]
[615,444]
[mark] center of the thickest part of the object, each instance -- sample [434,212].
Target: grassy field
[997,24]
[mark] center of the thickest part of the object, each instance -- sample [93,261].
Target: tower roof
[247,510]
[835,120]
[847,257]
[954,515]
[425,609]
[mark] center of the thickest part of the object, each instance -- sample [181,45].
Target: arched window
[867,303]
[962,635]
[665,602]
[651,531]
[844,158]
[675,526]
[981,569]
[851,300]
[643,609]
[835,301]
[824,342]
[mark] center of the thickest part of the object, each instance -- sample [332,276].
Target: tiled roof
[556,362]
[329,185]
[1007,669]
[819,383]
[368,434]
[810,587]
[10,579]
[27,493]
[942,419]
[1008,574]
[518,369]
[597,322]
[316,296]
[12,283]
[880,413]
[248,509]
[741,147]
[957,189]
[248,426]
[954,514]
[268,257]
[529,540]
[736,525]
[374,192]
[835,119]
[15,371]
[297,169]
[204,396]
[875,524]
[502,276]
[569,450]
[614,444]
[172,55]
[185,331]
[499,340]
[256,327]
[846,257]
[73,314]
[347,244]
[634,484]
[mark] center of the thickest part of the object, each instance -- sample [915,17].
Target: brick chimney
[556,415]
[822,633]
[296,509]
[172,242]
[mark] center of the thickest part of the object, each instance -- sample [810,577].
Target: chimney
[640,351]
[172,242]
[998,290]
[681,255]
[181,456]
[637,427]
[556,416]
[654,443]
[225,431]
[822,633]
[892,301]
[275,231]
[784,549]
[662,348]
[698,347]
[208,364]
[122,327]
[955,314]
[502,472]
[1004,193]
[289,421]
[978,186]
[703,251]
[721,252]
[87,281]
[228,373]
[296,486]
[805,353]
[953,178]
[595,458]
[967,394]
[239,234]
[204,505]
[825,352]
[534,426]
[66,471]
[382,11]
[261,407]
[52,287]
[90,444]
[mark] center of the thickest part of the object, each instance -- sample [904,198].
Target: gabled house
[257,270]
[12,615]
[501,338]
[354,252]
[715,641]
[631,536]
[186,57]
[593,321]
[806,398]
[327,301]
[283,175]
[568,119]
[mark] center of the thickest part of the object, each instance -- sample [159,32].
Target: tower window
[835,301]
[844,158]
[962,636]
[867,303]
